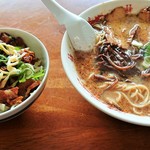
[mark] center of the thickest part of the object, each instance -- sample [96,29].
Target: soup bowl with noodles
[114,76]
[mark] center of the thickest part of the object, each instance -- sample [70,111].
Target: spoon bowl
[80,32]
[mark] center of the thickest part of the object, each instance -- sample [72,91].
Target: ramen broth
[117,70]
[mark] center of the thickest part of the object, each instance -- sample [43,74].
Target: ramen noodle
[117,70]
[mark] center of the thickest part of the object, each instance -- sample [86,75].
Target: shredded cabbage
[10,57]
[3,107]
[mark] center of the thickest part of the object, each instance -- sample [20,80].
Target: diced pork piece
[110,37]
[116,14]
[15,41]
[33,86]
[27,87]
[4,37]
[15,101]
[144,14]
[8,94]
[132,33]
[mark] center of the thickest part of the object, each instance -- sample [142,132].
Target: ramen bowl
[67,56]
[40,52]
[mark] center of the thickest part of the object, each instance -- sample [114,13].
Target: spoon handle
[62,15]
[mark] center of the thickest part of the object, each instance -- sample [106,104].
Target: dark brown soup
[117,70]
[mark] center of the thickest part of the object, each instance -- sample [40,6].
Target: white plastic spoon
[80,32]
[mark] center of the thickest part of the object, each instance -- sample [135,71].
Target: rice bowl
[40,51]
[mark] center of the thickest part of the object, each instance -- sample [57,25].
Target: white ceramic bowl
[67,56]
[40,51]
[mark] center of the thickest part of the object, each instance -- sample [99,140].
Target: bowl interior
[67,56]
[40,51]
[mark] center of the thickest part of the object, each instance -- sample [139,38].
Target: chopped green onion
[3,59]
[27,71]
[39,74]
[17,48]
[146,62]
[147,49]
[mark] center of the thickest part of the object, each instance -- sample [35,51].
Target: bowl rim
[126,117]
[7,115]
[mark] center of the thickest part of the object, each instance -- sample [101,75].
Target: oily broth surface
[121,28]
[85,63]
